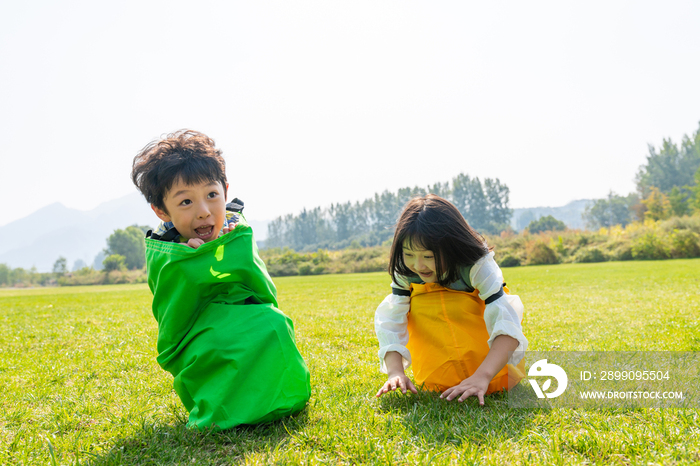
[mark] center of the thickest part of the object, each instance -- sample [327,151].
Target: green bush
[510,261]
[685,244]
[84,276]
[114,262]
[649,246]
[547,223]
[592,254]
[369,265]
[681,223]
[283,269]
[621,252]
[305,268]
[538,253]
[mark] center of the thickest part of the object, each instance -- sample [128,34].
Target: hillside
[570,214]
[56,230]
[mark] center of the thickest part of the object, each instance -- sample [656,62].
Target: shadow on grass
[175,444]
[438,421]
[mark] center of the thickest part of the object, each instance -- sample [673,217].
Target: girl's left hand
[474,385]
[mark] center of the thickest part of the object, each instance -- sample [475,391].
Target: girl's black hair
[435,224]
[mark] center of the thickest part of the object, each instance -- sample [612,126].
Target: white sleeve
[390,324]
[504,315]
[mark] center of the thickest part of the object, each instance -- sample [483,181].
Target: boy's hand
[229,227]
[474,385]
[194,243]
[397,381]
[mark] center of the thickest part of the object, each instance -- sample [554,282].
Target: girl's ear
[160,213]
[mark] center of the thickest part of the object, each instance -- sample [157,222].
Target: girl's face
[420,261]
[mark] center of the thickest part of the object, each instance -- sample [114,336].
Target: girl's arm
[390,324]
[504,315]
[478,383]
[391,327]
[397,376]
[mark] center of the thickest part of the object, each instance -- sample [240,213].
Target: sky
[318,102]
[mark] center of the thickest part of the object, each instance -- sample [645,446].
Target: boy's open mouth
[205,231]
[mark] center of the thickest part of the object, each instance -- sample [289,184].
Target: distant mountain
[56,230]
[570,214]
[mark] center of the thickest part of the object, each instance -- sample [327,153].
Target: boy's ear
[160,213]
[226,192]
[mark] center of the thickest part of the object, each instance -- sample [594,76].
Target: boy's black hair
[435,224]
[186,155]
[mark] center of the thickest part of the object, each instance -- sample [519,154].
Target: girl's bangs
[415,238]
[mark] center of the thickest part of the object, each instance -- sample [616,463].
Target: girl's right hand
[397,381]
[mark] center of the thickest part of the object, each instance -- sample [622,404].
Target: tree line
[668,185]
[371,222]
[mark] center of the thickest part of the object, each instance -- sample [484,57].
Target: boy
[183,177]
[230,350]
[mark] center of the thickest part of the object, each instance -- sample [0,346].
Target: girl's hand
[474,385]
[397,381]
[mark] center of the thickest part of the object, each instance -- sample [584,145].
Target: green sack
[230,350]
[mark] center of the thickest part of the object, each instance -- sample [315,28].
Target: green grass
[79,383]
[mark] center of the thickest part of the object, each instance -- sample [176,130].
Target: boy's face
[197,211]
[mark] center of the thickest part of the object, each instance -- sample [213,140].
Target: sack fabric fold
[231,351]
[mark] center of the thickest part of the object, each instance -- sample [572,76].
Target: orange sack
[448,340]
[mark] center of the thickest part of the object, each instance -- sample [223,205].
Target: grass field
[79,383]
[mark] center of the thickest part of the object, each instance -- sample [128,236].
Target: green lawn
[79,382]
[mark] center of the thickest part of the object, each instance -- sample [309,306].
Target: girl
[449,311]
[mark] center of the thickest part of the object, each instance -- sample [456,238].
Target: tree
[341,218]
[114,262]
[695,199]
[383,211]
[658,205]
[78,264]
[130,244]
[670,166]
[678,198]
[469,198]
[5,272]
[548,223]
[525,219]
[614,210]
[497,198]
[371,222]
[97,263]
[441,189]
[60,267]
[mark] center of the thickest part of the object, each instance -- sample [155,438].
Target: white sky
[329,101]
